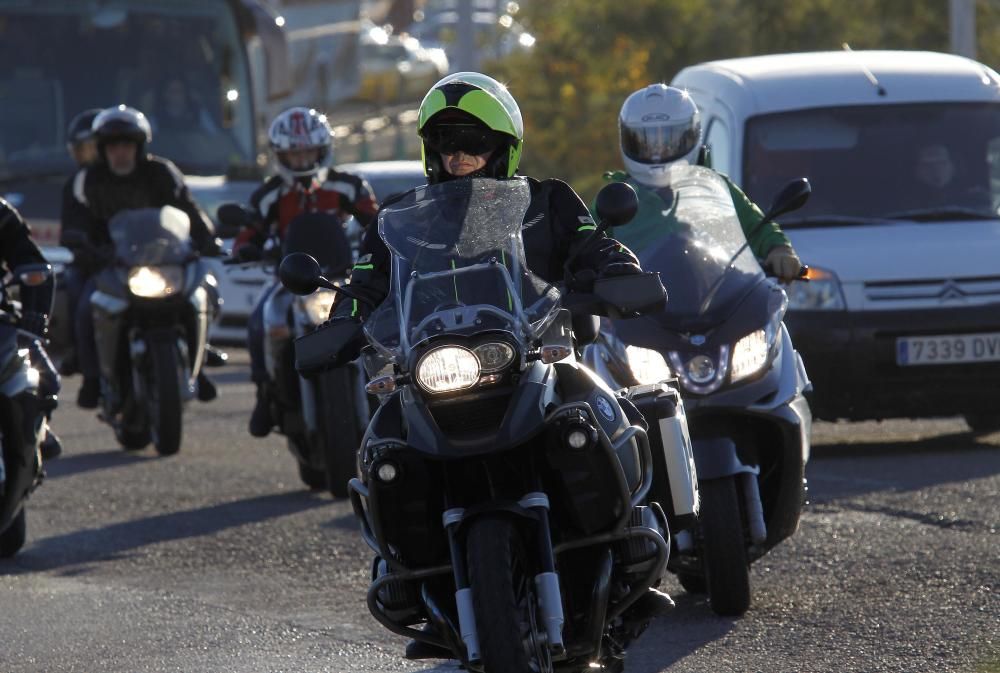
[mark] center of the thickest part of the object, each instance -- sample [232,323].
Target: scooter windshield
[151,236]
[458,266]
[702,255]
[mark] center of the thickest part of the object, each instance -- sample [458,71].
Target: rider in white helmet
[660,127]
[302,142]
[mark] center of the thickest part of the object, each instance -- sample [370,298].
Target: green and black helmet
[471,112]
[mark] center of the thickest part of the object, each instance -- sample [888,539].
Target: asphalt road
[217,560]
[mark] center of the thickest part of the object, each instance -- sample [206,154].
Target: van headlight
[447,369]
[155,282]
[318,304]
[647,365]
[821,291]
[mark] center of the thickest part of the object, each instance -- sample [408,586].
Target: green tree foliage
[591,54]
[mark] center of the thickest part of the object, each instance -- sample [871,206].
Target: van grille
[934,293]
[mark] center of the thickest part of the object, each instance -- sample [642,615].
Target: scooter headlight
[318,304]
[750,355]
[447,369]
[155,282]
[647,365]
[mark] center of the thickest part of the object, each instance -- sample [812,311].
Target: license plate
[949,349]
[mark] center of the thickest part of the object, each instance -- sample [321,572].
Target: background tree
[591,54]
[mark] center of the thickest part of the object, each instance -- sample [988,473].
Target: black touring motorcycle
[151,315]
[742,381]
[22,418]
[502,486]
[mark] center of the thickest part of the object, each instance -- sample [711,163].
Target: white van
[903,153]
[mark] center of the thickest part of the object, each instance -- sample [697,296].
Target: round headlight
[154,282]
[448,369]
[386,472]
[493,356]
[700,369]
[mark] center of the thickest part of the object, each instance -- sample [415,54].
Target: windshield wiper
[816,221]
[942,213]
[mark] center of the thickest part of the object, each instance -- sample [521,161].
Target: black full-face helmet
[122,123]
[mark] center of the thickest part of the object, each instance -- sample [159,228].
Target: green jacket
[647,225]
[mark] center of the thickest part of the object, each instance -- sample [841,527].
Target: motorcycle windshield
[702,255]
[458,266]
[151,236]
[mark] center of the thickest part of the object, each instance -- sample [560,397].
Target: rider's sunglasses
[468,139]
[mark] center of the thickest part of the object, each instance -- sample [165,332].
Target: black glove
[36,323]
[249,252]
[619,269]
[582,281]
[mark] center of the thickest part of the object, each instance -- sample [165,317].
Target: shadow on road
[68,465]
[115,540]
[687,628]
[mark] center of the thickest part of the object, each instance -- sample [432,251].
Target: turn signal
[381,386]
[552,354]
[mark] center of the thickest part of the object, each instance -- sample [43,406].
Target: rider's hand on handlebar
[782,261]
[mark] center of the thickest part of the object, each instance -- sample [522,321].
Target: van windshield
[181,62]
[934,161]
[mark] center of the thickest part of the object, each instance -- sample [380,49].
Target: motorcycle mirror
[792,197]
[616,204]
[232,217]
[300,273]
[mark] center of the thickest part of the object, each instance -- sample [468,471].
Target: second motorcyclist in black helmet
[124,177]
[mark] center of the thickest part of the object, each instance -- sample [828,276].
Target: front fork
[546,582]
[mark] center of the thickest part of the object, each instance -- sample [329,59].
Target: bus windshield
[181,62]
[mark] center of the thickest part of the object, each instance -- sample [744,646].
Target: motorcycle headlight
[447,369]
[318,305]
[647,365]
[155,282]
[493,356]
[749,355]
[820,292]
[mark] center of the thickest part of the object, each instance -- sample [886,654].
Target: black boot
[90,393]
[51,446]
[215,357]
[69,366]
[206,389]
[418,649]
[260,420]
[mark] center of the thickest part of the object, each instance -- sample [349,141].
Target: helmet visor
[464,138]
[659,144]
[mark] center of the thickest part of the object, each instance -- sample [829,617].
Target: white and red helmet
[301,128]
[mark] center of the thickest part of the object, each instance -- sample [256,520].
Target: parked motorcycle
[501,484]
[151,314]
[723,337]
[22,420]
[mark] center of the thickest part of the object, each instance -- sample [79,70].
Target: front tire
[342,431]
[12,539]
[503,599]
[727,571]
[164,398]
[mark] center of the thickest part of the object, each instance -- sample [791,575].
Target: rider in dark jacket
[471,127]
[124,177]
[17,249]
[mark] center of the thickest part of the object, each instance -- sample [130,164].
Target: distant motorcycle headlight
[820,291]
[447,369]
[155,282]
[647,365]
[318,304]
[750,355]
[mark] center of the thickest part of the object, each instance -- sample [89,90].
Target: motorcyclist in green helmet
[471,127]
[660,128]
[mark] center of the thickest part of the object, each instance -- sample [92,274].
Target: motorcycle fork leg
[754,508]
[463,592]
[547,581]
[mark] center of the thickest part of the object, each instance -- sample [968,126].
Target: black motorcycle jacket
[17,249]
[100,194]
[556,225]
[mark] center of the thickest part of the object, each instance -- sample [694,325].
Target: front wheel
[341,427]
[727,571]
[503,599]
[164,398]
[12,539]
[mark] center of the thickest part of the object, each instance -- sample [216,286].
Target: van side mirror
[616,205]
[791,197]
[300,273]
